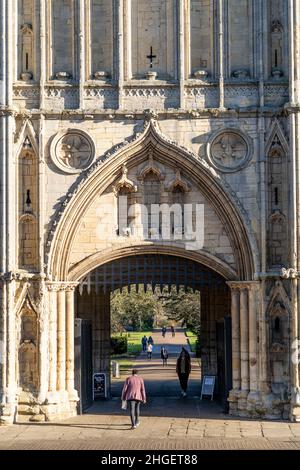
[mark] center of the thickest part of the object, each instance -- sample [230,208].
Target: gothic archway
[103,174]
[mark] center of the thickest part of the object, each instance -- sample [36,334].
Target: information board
[208,385]
[99,385]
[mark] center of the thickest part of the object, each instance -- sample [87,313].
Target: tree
[135,309]
[183,307]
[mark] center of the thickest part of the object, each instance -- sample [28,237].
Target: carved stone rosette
[229,150]
[72,151]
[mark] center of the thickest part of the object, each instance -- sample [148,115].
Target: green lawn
[192,338]
[134,341]
[126,360]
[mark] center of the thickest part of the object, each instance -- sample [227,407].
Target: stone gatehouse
[164,102]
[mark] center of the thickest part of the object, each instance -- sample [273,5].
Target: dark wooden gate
[224,361]
[83,363]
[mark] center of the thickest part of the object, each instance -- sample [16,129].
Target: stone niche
[27,351]
[152,25]
[279,350]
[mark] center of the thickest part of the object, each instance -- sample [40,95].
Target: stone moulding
[120,154]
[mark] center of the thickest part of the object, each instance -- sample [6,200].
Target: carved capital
[289,273]
[58,286]
[241,285]
[11,276]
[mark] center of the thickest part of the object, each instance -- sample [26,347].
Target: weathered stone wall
[237,118]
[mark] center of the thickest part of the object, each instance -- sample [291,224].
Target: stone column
[127,16]
[43,60]
[11,345]
[70,356]
[221,54]
[61,340]
[253,352]
[120,48]
[82,62]
[235,329]
[294,178]
[181,51]
[52,337]
[244,329]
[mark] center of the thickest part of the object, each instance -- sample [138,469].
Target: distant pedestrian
[149,351]
[134,393]
[163,331]
[173,331]
[183,369]
[150,340]
[164,355]
[144,343]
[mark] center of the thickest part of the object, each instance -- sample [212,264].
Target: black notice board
[100,388]
[208,385]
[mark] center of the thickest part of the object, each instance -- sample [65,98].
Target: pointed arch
[27,132]
[276,131]
[278,294]
[102,174]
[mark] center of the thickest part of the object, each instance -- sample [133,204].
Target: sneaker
[133,427]
[184,394]
[137,424]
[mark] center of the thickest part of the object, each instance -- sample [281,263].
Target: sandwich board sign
[99,385]
[208,386]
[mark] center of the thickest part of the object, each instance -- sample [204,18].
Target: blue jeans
[134,411]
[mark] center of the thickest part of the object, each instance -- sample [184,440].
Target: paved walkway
[168,422]
[162,381]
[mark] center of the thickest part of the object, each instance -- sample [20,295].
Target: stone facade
[196,98]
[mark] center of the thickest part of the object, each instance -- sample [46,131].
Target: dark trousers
[165,361]
[183,379]
[134,411]
[149,354]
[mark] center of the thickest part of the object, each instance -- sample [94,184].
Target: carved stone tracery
[229,150]
[72,151]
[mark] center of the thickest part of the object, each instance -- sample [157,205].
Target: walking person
[164,355]
[150,340]
[134,393]
[144,343]
[163,331]
[149,350]
[183,369]
[173,331]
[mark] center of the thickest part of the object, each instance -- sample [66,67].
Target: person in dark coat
[144,343]
[150,340]
[183,369]
[164,355]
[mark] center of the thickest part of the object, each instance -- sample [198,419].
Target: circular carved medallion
[72,151]
[229,150]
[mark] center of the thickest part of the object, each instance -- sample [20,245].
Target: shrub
[118,344]
[198,347]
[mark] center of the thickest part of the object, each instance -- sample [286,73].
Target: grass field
[126,360]
[192,340]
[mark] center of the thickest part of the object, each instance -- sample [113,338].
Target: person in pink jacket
[134,393]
